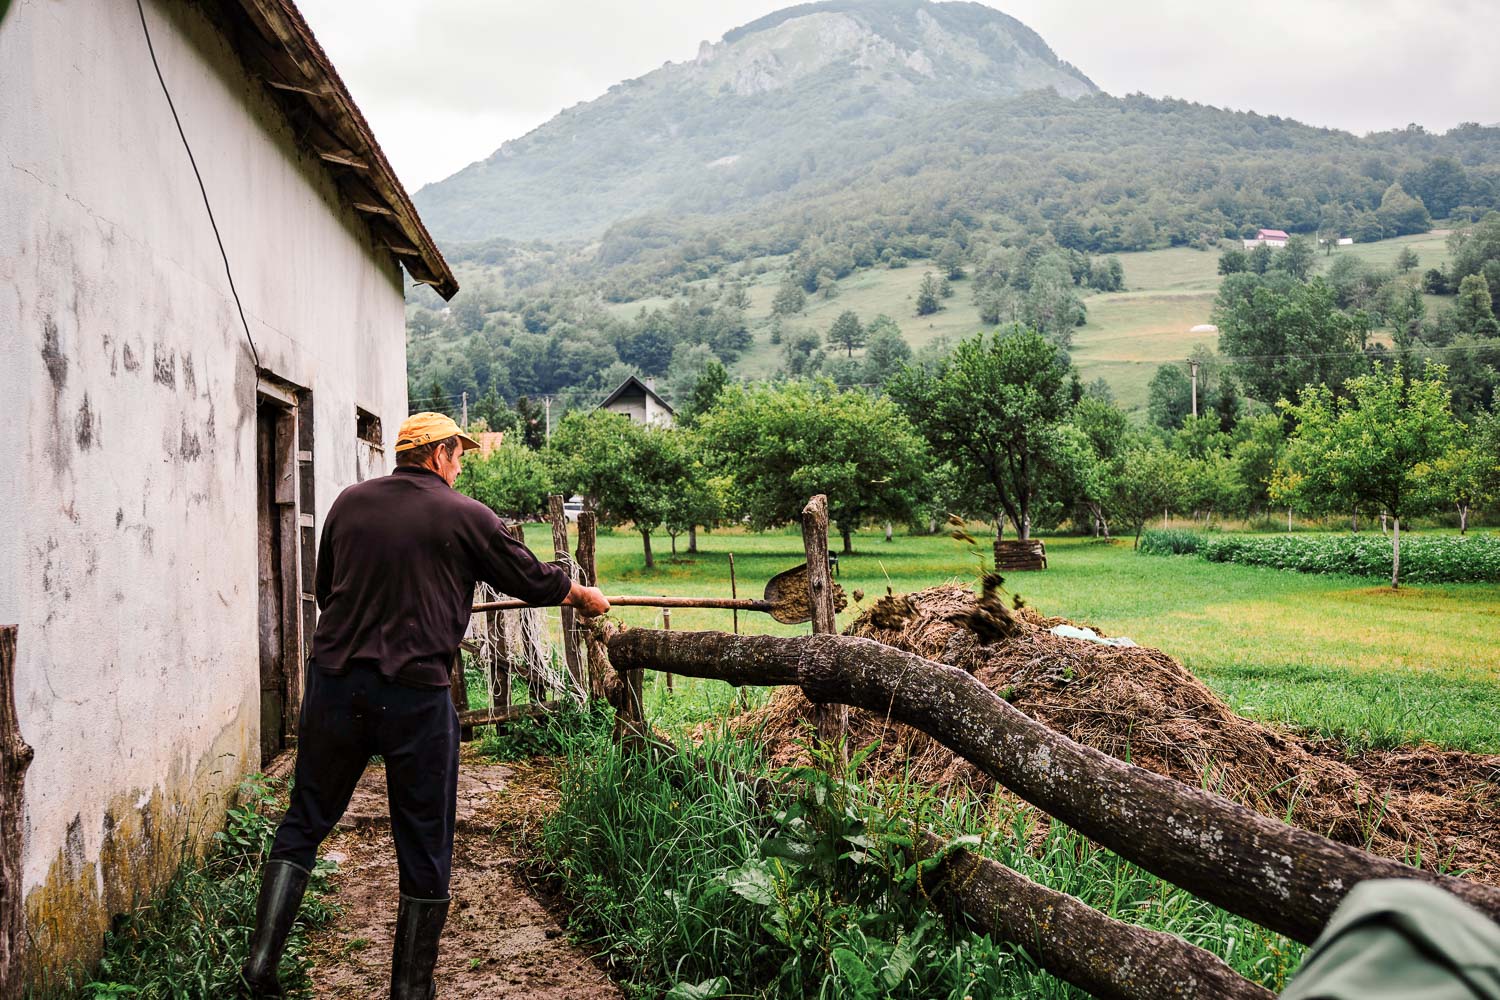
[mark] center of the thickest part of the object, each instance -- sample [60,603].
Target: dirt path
[500,940]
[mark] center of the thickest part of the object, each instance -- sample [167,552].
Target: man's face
[449,462]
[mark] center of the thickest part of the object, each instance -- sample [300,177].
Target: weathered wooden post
[588,570]
[832,721]
[458,690]
[15,758]
[569,616]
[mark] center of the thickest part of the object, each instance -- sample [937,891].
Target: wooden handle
[637,601]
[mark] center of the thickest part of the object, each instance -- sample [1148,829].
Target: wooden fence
[1286,879]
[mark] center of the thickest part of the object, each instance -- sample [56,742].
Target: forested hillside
[701,212]
[781,105]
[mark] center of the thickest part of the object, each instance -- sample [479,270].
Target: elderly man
[396,571]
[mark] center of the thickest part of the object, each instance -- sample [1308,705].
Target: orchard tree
[635,472]
[513,481]
[1372,451]
[1256,453]
[1147,480]
[1470,471]
[993,408]
[701,500]
[780,444]
[847,332]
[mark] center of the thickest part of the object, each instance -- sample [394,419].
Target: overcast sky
[445,82]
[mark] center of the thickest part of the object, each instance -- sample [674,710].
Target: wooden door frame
[287,493]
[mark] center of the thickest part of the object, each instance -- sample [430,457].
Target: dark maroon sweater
[396,571]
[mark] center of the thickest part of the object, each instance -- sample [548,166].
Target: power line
[201,189]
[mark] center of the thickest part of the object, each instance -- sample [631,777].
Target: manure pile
[1140,705]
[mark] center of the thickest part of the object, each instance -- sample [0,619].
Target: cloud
[445,82]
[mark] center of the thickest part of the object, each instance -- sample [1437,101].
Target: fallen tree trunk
[1108,958]
[1283,878]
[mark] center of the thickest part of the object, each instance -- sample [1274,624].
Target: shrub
[1171,542]
[1431,559]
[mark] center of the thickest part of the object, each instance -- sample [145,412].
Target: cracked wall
[131,563]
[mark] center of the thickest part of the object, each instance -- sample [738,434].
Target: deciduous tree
[1372,451]
[513,481]
[847,332]
[636,473]
[993,408]
[782,443]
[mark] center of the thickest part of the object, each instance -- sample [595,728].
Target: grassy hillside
[1128,334]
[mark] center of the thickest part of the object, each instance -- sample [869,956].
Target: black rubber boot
[419,924]
[281,886]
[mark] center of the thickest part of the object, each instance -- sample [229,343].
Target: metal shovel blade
[790,603]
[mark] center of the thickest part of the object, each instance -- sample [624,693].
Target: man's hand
[588,600]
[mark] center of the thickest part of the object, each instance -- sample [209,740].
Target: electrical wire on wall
[201,189]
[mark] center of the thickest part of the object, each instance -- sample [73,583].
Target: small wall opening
[369,446]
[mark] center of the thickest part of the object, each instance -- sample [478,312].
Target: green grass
[1338,654]
[691,888]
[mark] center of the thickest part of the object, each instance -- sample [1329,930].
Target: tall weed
[695,891]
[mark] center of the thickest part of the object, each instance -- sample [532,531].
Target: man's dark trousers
[345,720]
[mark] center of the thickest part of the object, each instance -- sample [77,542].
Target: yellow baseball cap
[425,428]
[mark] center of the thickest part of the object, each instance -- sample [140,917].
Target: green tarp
[1393,938]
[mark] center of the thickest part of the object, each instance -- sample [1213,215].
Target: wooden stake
[569,617]
[832,720]
[742,696]
[734,594]
[666,623]
[15,758]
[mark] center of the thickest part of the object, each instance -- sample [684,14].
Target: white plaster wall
[130,560]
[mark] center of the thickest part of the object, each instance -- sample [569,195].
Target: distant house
[638,401]
[170,463]
[1269,238]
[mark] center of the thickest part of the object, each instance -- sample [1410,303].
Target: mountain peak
[746,118]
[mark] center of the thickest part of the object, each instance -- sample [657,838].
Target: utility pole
[464,420]
[1194,365]
[547,403]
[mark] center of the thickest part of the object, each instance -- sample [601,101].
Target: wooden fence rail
[1281,877]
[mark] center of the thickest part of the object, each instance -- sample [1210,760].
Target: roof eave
[280,48]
